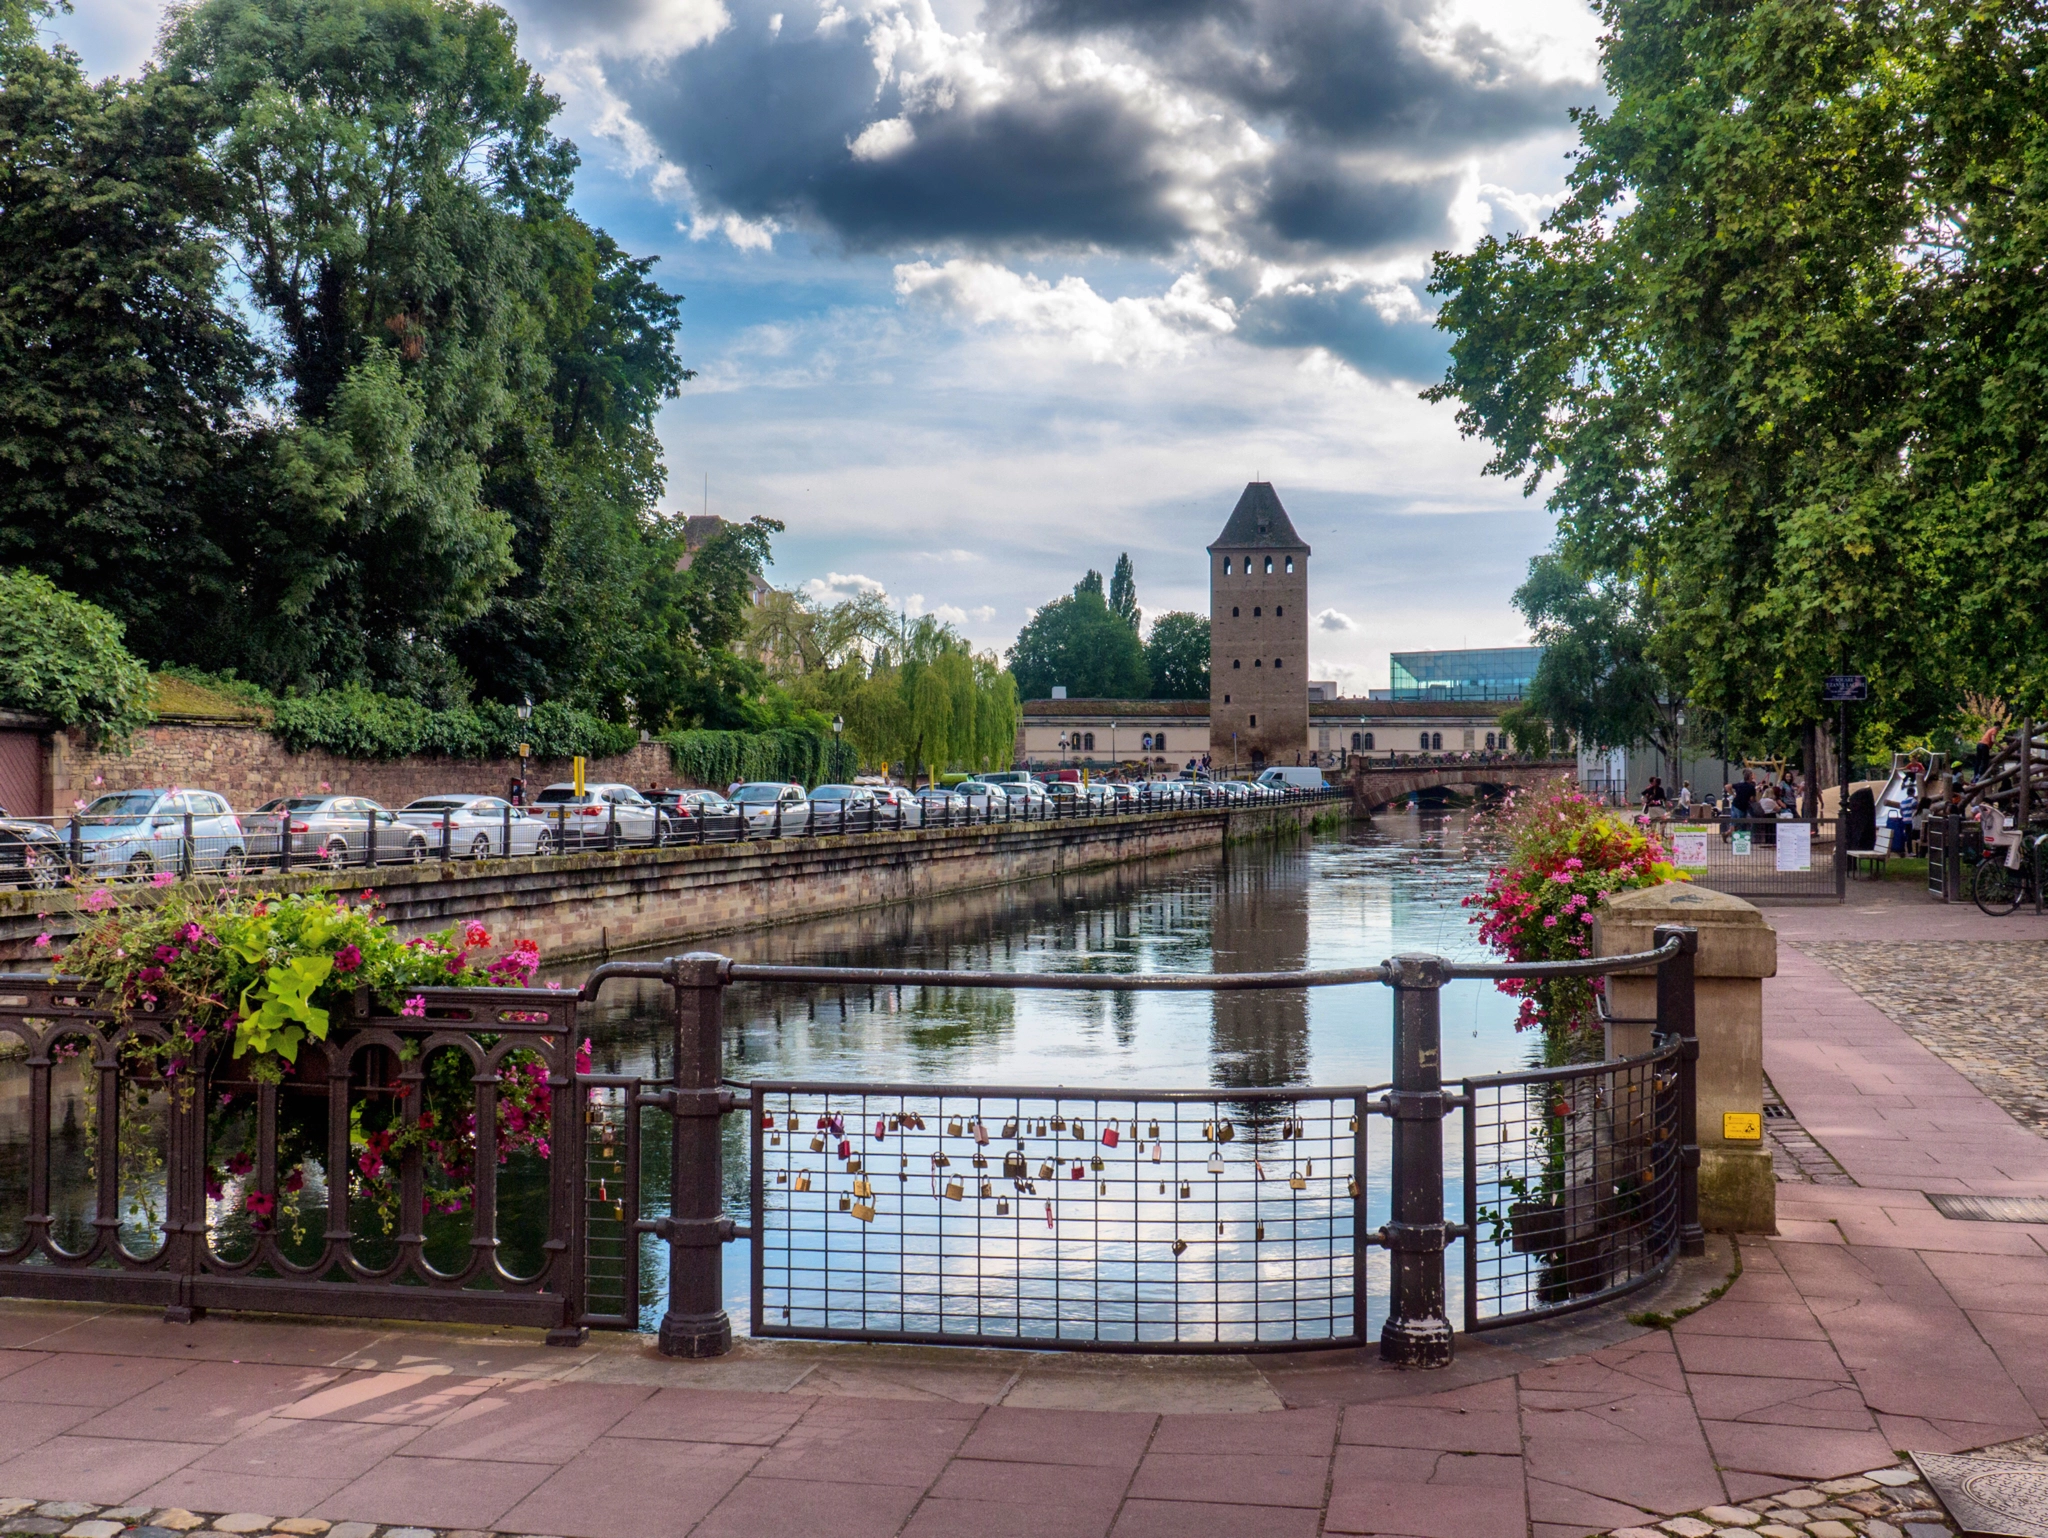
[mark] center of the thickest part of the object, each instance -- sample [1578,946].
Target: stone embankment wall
[589,905]
[250,767]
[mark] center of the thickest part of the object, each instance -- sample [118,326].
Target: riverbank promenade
[1898,1036]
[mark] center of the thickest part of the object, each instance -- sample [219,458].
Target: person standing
[1745,795]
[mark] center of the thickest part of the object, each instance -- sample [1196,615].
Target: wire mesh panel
[1759,856]
[1144,1221]
[1571,1190]
[610,1215]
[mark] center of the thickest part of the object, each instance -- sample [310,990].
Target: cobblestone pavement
[1885,1503]
[1981,1006]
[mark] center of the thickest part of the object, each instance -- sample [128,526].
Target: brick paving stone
[93,1528]
[178,1519]
[352,1530]
[14,1504]
[1892,1476]
[1729,1516]
[302,1527]
[34,1525]
[1687,1527]
[146,1530]
[66,1509]
[240,1522]
[1830,1529]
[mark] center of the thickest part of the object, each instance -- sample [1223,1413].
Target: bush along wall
[720,759]
[356,723]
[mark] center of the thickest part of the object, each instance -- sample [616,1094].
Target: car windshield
[558,793]
[127,803]
[759,793]
[834,793]
[437,804]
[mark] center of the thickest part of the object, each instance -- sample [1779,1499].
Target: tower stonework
[1258,635]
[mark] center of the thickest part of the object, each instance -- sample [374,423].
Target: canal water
[1344,900]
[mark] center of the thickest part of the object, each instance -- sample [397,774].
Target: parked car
[478,826]
[1008,777]
[32,855]
[897,807]
[985,802]
[690,803]
[140,832]
[1162,793]
[1027,796]
[335,829]
[773,807]
[940,803]
[1076,800]
[1123,794]
[588,818]
[1234,792]
[843,808]
[1290,778]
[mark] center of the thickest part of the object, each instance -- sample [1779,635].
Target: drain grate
[1999,1497]
[1991,1209]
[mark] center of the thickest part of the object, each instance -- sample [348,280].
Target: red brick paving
[1868,1324]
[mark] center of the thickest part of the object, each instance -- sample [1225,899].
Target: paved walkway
[1871,1323]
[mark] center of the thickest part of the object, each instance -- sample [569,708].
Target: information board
[1689,846]
[1795,846]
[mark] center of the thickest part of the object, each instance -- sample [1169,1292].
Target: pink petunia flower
[415,1007]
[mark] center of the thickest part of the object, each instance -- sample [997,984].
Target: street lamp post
[1114,760]
[1063,750]
[525,748]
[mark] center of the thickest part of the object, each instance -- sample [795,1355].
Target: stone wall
[589,905]
[249,766]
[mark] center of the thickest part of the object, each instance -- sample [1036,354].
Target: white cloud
[837,585]
[951,614]
[984,614]
[1330,619]
[878,141]
[1070,313]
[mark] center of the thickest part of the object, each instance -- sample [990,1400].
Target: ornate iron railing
[376,1178]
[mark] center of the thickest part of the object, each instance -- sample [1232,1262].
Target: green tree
[1079,642]
[1599,681]
[123,373]
[63,658]
[1740,349]
[1177,656]
[1123,592]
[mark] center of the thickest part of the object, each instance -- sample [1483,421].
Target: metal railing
[1761,856]
[51,853]
[1047,1216]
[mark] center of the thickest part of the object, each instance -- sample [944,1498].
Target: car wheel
[335,854]
[47,873]
[481,848]
[234,864]
[141,866]
[544,845]
[416,851]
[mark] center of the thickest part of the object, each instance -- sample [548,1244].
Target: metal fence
[380,1177]
[55,852]
[1145,1220]
[1761,856]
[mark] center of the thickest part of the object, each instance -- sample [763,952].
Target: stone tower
[1258,635]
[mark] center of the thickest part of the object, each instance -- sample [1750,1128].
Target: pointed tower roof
[1259,522]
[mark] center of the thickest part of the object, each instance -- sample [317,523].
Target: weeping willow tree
[927,704]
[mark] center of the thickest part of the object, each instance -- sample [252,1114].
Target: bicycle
[1997,889]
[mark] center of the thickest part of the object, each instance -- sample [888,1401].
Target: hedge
[358,723]
[725,758]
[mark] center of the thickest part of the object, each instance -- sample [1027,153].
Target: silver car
[843,808]
[772,808]
[896,806]
[939,804]
[478,826]
[986,802]
[582,820]
[334,829]
[142,833]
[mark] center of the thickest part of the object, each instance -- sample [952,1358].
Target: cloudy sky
[983,292]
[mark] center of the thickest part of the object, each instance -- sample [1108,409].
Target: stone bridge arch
[1377,785]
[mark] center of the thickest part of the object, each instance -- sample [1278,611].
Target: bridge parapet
[1375,786]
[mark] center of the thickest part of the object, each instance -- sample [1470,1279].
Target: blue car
[138,833]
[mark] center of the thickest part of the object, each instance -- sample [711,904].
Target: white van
[1293,779]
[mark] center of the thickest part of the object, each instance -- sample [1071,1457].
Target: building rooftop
[1347,709]
[1481,673]
[1259,522]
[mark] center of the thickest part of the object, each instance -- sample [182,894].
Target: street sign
[1845,689]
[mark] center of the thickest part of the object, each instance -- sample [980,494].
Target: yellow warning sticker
[1742,1126]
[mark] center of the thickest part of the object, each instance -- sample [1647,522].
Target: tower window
[1088,742]
[1269,566]
[1256,611]
[1368,741]
[1278,611]
[1235,663]
[1290,563]
[1159,742]
[1226,566]
[1255,720]
[1258,662]
[1276,662]
[1226,699]
[1357,740]
[1233,611]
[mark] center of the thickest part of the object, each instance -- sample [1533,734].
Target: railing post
[1675,1018]
[187,850]
[695,1228]
[1417,1332]
[370,839]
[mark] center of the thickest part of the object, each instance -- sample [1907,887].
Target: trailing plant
[728,758]
[1565,855]
[360,723]
[64,658]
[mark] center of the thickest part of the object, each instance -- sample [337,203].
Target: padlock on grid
[1225,1132]
[953,1128]
[803,1180]
[1295,1181]
[1045,1172]
[865,1211]
[1096,1164]
[953,1191]
[987,1190]
[862,1188]
[1010,1127]
[1013,1165]
[1109,1135]
[817,1145]
[1180,1248]
[1186,1190]
[1002,1206]
[1059,1124]
[1153,1132]
[1215,1163]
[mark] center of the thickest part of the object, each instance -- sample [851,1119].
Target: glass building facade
[1491,673]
